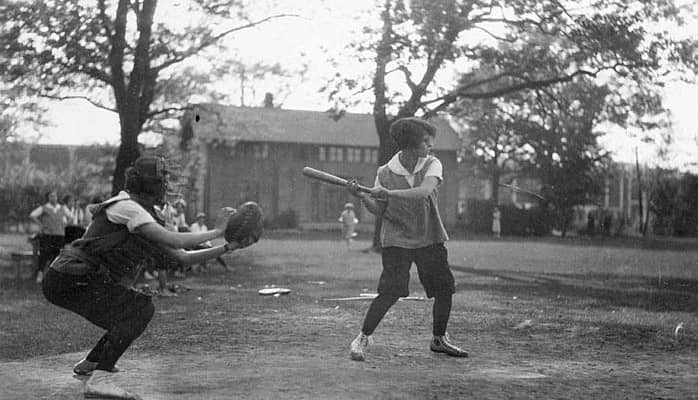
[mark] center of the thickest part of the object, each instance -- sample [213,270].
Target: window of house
[327,203]
[260,150]
[353,154]
[336,154]
[321,153]
[371,156]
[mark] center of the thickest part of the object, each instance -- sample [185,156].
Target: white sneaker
[100,386]
[358,347]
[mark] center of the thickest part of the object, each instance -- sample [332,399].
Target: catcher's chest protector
[114,247]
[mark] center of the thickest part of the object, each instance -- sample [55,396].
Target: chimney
[268,100]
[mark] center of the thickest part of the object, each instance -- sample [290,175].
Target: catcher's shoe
[100,386]
[84,367]
[442,344]
[358,347]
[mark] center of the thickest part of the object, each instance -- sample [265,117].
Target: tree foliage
[506,47]
[548,133]
[77,49]
[672,203]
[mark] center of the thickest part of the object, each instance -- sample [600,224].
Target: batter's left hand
[379,193]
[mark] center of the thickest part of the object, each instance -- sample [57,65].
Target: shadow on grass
[626,242]
[651,294]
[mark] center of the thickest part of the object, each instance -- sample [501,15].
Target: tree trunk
[386,146]
[643,226]
[128,153]
[495,184]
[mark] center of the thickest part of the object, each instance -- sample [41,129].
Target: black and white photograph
[348,200]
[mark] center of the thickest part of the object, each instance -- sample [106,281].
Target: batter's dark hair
[410,132]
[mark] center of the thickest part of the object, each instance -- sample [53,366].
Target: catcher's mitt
[244,223]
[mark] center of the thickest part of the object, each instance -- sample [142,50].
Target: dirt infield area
[541,320]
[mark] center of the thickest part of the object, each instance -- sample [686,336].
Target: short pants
[432,266]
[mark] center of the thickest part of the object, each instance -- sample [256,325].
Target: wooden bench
[21,259]
[27,258]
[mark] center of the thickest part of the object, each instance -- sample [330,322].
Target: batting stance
[405,197]
[93,276]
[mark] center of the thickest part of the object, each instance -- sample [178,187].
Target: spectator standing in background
[73,227]
[51,218]
[497,222]
[200,226]
[179,218]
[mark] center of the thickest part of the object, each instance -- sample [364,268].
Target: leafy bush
[515,221]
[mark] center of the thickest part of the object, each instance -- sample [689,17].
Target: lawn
[541,319]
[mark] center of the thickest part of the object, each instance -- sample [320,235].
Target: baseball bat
[330,178]
[518,189]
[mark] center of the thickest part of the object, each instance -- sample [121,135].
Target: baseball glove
[245,224]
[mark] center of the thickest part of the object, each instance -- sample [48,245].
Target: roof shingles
[219,122]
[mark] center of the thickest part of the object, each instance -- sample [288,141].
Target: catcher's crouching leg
[124,332]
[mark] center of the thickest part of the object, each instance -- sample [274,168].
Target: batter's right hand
[353,187]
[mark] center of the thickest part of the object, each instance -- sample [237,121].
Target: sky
[321,30]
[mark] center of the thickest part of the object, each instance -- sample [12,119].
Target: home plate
[511,373]
[274,291]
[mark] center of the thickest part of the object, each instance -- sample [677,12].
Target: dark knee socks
[377,311]
[115,342]
[442,311]
[380,306]
[98,349]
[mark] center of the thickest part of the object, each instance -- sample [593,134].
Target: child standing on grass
[405,197]
[497,222]
[349,221]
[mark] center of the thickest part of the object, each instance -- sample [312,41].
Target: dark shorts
[98,299]
[432,266]
[73,232]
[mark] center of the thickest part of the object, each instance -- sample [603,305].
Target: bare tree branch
[495,36]
[94,103]
[183,56]
[408,77]
[462,93]
[168,110]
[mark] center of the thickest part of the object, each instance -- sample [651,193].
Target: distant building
[258,154]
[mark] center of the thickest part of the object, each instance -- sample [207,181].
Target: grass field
[541,319]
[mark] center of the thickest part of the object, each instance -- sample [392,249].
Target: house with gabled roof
[249,153]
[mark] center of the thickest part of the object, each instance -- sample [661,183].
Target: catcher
[92,277]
